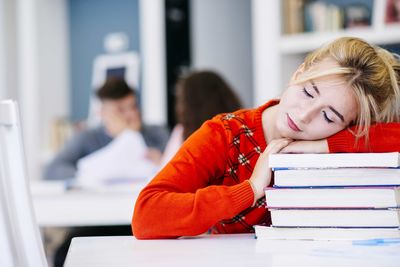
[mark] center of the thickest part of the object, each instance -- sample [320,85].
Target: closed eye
[326,117]
[307,93]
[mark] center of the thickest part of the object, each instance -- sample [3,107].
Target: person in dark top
[119,112]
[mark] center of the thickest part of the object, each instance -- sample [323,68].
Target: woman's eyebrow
[315,87]
[337,113]
[330,107]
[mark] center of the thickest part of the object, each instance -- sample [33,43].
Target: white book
[335,160]
[337,177]
[345,197]
[297,233]
[378,218]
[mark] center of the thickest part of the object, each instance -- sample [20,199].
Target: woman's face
[316,109]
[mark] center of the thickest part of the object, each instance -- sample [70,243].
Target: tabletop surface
[226,250]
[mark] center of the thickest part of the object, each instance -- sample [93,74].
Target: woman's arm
[384,137]
[180,200]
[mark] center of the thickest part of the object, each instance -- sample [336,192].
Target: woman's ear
[300,70]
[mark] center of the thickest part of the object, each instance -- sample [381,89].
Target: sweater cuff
[339,143]
[242,196]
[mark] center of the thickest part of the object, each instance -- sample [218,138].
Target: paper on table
[124,159]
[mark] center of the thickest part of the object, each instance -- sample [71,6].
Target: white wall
[267,63]
[2,50]
[42,73]
[152,53]
[8,80]
[53,64]
[28,87]
[221,40]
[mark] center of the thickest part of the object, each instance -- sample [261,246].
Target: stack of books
[348,196]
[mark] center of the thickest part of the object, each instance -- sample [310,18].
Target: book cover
[337,177]
[335,160]
[346,218]
[345,197]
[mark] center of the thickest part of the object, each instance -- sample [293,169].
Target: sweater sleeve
[384,137]
[181,199]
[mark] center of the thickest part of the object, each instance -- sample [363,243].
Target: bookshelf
[276,55]
[304,42]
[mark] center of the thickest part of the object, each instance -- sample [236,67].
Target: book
[337,177]
[293,16]
[392,12]
[346,197]
[20,239]
[335,160]
[373,218]
[295,233]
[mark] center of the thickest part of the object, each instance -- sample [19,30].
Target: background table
[57,206]
[225,250]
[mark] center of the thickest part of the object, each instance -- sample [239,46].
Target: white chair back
[20,240]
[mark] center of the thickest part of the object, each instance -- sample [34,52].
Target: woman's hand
[115,123]
[261,176]
[317,146]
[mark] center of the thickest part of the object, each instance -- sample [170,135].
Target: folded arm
[383,137]
[184,198]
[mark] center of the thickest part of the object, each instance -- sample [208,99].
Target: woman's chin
[288,133]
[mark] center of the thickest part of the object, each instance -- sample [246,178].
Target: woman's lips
[292,125]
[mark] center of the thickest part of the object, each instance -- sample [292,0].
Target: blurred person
[119,112]
[200,96]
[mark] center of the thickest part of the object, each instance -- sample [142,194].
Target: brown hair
[372,72]
[114,88]
[200,96]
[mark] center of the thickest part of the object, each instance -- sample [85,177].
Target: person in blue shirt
[119,111]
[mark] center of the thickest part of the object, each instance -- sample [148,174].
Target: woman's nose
[306,114]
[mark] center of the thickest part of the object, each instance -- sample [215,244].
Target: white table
[226,251]
[57,207]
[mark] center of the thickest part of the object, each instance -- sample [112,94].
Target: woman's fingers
[316,146]
[277,145]
[261,176]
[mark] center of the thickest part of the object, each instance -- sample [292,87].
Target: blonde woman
[345,97]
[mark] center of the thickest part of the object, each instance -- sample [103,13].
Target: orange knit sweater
[205,186]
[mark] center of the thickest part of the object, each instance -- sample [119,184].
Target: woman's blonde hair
[371,71]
